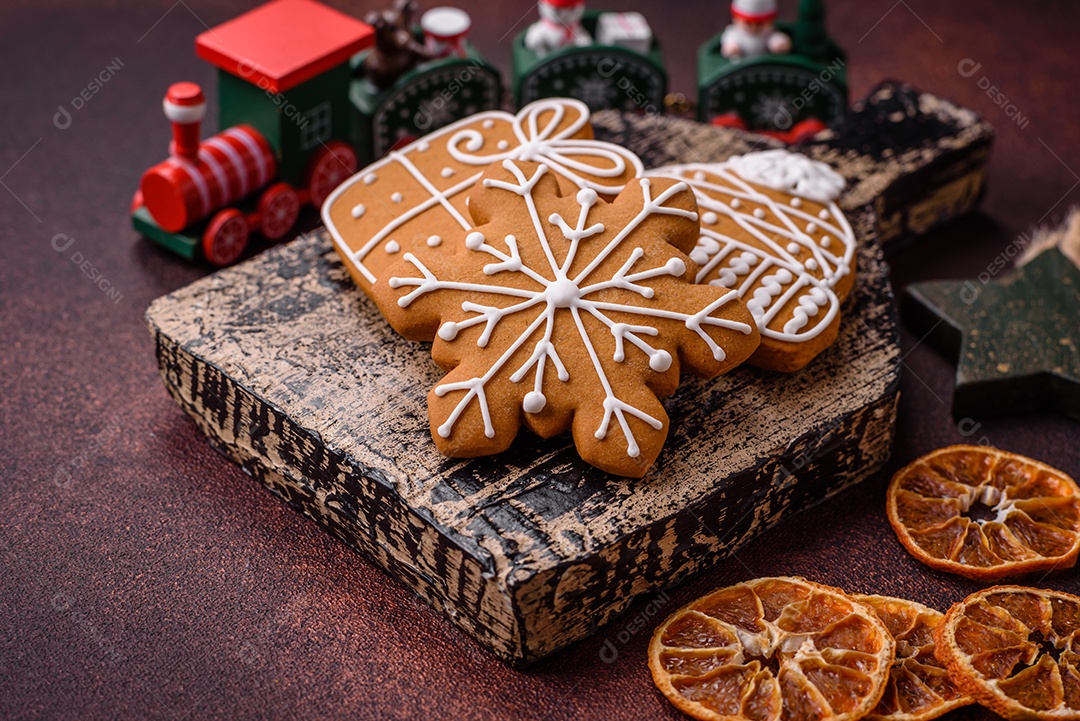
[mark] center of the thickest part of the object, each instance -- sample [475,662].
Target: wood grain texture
[917,159]
[291,372]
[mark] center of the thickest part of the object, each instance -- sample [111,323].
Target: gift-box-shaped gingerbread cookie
[411,200]
[559,311]
[771,230]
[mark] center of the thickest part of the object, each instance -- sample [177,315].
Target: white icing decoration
[709,218]
[587,163]
[563,295]
[392,246]
[396,197]
[423,146]
[434,241]
[790,173]
[564,154]
[358,210]
[502,145]
[796,202]
[779,232]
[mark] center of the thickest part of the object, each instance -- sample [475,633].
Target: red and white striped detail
[227,167]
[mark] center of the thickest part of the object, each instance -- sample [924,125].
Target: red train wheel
[279,207]
[329,168]
[226,237]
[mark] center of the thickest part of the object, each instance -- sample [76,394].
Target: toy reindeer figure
[559,26]
[396,51]
[753,32]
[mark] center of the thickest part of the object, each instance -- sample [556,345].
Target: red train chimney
[185,106]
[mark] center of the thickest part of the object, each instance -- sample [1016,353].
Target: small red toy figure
[445,29]
[753,32]
[559,26]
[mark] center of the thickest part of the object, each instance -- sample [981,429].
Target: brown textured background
[143,576]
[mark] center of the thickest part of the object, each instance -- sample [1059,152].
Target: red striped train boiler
[201,177]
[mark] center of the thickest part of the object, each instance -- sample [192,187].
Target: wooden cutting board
[291,372]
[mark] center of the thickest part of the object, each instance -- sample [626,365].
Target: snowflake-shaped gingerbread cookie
[566,312]
[771,230]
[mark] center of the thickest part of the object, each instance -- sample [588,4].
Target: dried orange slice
[919,687]
[985,514]
[1016,650]
[772,648]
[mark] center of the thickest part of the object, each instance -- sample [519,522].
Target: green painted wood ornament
[1016,338]
[768,75]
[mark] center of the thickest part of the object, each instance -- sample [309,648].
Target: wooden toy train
[307,95]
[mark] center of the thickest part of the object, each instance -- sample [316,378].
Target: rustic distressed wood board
[917,159]
[291,372]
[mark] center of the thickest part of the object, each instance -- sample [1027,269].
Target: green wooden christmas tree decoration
[1017,339]
[809,33]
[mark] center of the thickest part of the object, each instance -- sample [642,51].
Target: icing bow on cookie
[554,133]
[566,312]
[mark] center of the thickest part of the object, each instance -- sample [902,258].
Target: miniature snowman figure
[559,26]
[752,32]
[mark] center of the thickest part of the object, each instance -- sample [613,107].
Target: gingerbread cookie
[416,197]
[771,230]
[562,311]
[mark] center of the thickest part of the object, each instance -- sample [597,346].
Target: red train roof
[283,43]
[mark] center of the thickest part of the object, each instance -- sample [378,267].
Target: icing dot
[824,214]
[793,248]
[796,203]
[502,145]
[370,178]
[396,197]
[489,123]
[709,218]
[447,172]
[392,246]
[423,146]
[660,361]
[358,210]
[675,266]
[811,264]
[759,213]
[474,240]
[811,228]
[448,331]
[533,402]
[736,203]
[826,242]
[586,196]
[434,241]
[699,175]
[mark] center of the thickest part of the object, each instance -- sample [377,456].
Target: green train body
[777,92]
